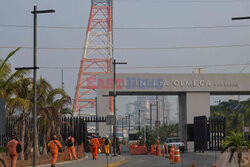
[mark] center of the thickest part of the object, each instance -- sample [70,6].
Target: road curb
[60,163]
[116,163]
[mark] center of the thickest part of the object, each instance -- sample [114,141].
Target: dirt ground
[43,159]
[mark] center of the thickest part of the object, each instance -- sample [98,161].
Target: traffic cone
[158,150]
[152,150]
[177,156]
[173,155]
[171,152]
[163,150]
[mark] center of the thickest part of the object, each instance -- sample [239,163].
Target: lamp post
[139,120]
[114,106]
[96,113]
[157,118]
[123,128]
[34,68]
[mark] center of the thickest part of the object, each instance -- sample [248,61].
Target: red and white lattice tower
[98,54]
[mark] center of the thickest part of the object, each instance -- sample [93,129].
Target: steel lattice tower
[98,54]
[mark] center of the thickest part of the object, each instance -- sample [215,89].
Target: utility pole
[139,120]
[62,80]
[122,129]
[114,105]
[128,125]
[96,114]
[126,122]
[157,118]
[163,109]
[144,132]
[150,117]
[34,68]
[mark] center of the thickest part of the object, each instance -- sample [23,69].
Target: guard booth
[208,134]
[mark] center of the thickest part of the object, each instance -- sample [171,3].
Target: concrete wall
[198,104]
[191,105]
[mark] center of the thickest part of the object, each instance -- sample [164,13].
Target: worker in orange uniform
[100,142]
[70,142]
[13,148]
[53,147]
[94,145]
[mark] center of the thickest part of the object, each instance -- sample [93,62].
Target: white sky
[184,14]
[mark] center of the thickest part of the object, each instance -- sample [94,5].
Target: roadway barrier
[138,150]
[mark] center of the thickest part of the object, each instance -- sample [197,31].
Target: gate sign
[110,120]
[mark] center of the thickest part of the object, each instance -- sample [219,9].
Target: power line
[135,48]
[156,67]
[129,28]
[177,1]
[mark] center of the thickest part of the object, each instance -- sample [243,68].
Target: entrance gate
[209,134]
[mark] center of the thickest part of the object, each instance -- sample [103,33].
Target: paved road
[201,159]
[89,162]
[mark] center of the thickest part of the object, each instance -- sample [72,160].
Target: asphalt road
[206,159]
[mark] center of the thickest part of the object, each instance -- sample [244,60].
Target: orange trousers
[94,152]
[54,158]
[13,160]
[72,152]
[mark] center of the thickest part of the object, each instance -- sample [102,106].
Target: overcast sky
[186,30]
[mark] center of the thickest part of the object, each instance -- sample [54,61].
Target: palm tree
[7,79]
[54,107]
[22,101]
[52,104]
[234,143]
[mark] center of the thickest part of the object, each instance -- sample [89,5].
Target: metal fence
[209,134]
[76,126]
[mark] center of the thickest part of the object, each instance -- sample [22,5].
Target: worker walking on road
[13,148]
[53,147]
[94,145]
[107,143]
[70,142]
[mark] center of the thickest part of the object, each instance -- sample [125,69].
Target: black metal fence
[208,134]
[217,132]
[200,133]
[76,126]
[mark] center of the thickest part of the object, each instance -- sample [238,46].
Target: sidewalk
[87,161]
[224,158]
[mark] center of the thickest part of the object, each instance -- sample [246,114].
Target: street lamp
[34,68]
[241,18]
[114,96]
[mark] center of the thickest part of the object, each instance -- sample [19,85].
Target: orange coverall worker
[53,146]
[101,144]
[95,144]
[71,149]
[12,151]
